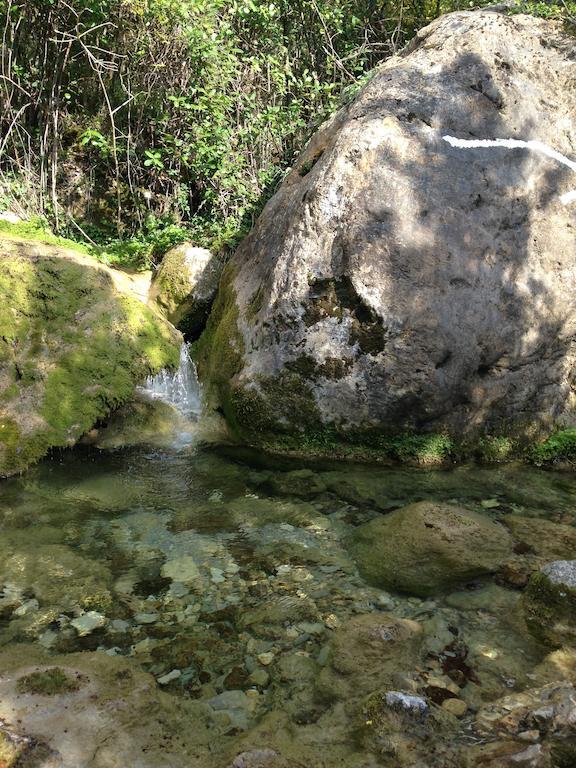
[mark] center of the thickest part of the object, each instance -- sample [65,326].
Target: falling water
[179,388]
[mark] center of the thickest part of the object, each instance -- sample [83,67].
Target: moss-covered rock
[185,285]
[427,547]
[219,350]
[74,342]
[549,604]
[407,736]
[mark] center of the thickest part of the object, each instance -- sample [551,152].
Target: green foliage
[92,138]
[561,11]
[185,112]
[559,447]
[493,449]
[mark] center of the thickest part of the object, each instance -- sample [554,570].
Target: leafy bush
[559,447]
[186,111]
[182,112]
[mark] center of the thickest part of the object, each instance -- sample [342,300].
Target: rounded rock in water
[428,547]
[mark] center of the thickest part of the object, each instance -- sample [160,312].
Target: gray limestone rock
[398,283]
[184,286]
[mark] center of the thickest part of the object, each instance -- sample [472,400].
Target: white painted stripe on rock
[536,146]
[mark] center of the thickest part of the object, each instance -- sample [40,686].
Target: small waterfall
[179,388]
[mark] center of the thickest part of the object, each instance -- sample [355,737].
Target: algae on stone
[549,604]
[427,547]
[48,682]
[72,348]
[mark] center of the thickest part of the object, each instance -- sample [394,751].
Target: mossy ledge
[72,348]
[433,449]
[219,350]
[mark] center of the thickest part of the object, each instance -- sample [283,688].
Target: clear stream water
[243,557]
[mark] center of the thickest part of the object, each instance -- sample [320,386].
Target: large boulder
[75,340]
[427,547]
[396,283]
[184,286]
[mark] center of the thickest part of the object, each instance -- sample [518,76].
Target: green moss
[219,350]
[172,283]
[422,450]
[550,611]
[307,165]
[9,443]
[9,392]
[280,415]
[493,449]
[48,682]
[76,346]
[559,447]
[256,303]
[36,229]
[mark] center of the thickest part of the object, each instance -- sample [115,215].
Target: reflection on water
[228,579]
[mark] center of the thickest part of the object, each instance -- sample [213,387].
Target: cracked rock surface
[397,283]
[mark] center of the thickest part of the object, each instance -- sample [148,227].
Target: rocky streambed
[164,607]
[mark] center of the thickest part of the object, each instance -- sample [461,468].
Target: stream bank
[223,594]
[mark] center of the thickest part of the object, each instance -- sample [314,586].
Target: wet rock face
[549,604]
[398,283]
[185,285]
[425,548]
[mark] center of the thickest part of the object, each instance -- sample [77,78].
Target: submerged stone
[427,547]
[407,702]
[88,622]
[182,569]
[175,674]
[55,574]
[366,652]
[542,538]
